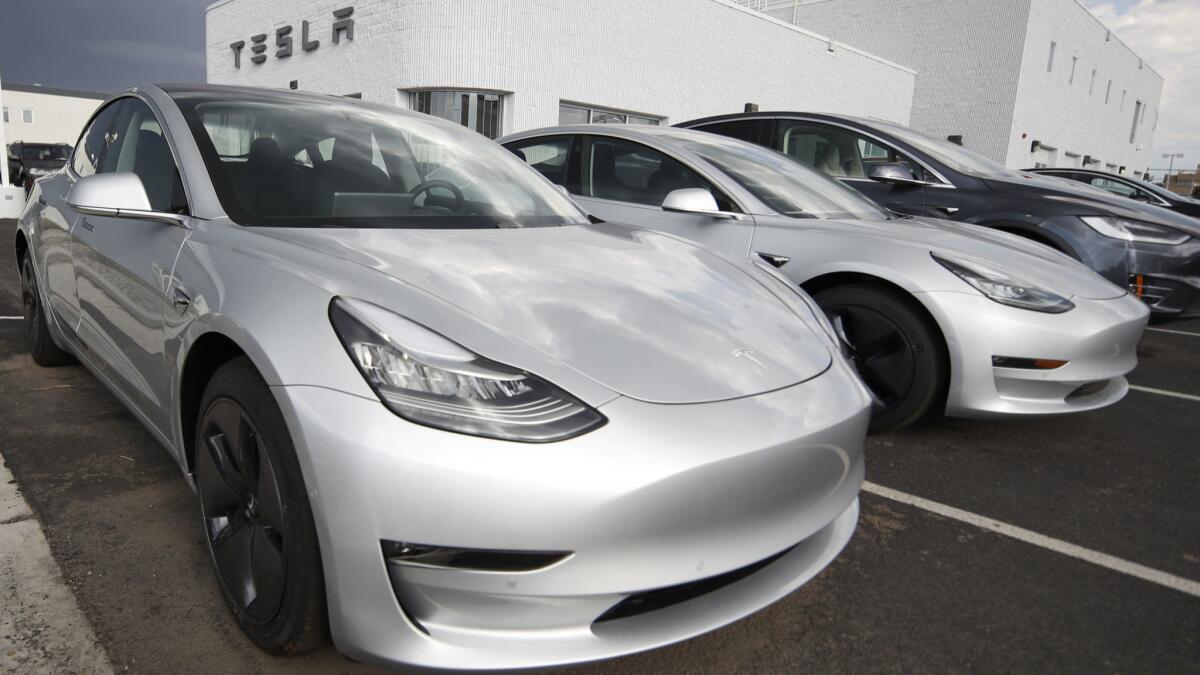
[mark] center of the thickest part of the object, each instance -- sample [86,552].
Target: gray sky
[101,45]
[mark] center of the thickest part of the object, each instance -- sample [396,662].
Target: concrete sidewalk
[42,629]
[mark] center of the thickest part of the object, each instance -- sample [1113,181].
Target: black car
[1125,186]
[29,161]
[1153,251]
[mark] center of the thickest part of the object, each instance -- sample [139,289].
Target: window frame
[27,112]
[584,147]
[571,166]
[626,115]
[119,101]
[777,139]
[474,94]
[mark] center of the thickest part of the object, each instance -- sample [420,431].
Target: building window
[1050,62]
[572,113]
[1137,118]
[1092,84]
[1107,92]
[481,111]
[27,116]
[1074,62]
[6,114]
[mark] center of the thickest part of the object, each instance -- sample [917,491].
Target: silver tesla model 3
[935,313]
[420,394]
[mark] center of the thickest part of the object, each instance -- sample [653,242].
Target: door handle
[86,225]
[948,210]
[180,299]
[42,201]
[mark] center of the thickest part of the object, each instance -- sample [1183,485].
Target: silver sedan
[420,394]
[936,314]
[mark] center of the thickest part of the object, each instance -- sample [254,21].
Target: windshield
[952,155]
[38,152]
[780,182]
[306,161]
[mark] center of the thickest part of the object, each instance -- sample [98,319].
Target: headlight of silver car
[1002,288]
[1135,230]
[425,378]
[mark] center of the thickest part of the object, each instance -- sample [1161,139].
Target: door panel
[626,182]
[123,268]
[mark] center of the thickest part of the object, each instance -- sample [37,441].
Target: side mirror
[1141,197]
[692,200]
[120,195]
[894,173]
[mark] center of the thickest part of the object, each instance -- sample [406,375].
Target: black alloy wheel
[257,518]
[898,353]
[242,509]
[37,332]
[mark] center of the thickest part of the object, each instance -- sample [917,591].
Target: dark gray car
[1152,250]
[1126,186]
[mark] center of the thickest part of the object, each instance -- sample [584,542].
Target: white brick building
[507,65]
[36,114]
[1024,82]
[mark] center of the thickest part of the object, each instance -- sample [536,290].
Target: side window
[1114,187]
[751,131]
[138,145]
[630,172]
[86,160]
[840,153]
[549,155]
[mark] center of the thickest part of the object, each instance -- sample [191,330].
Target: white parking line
[1164,392]
[1057,545]
[1173,332]
[11,318]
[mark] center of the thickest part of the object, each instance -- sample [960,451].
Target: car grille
[649,601]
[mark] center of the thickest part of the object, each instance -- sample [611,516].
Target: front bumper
[1167,278]
[661,496]
[1098,339]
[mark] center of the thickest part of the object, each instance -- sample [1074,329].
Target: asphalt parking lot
[915,591]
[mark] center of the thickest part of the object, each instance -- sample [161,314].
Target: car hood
[1027,261]
[1089,200]
[647,315]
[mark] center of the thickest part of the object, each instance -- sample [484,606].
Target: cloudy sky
[1166,33]
[110,44]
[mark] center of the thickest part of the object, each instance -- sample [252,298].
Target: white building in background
[37,114]
[508,65]
[1025,82]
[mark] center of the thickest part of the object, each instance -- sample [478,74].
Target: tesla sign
[343,27]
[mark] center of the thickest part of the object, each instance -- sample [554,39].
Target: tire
[37,332]
[896,348]
[257,519]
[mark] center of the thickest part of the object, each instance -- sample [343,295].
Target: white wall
[1073,117]
[678,59]
[981,72]
[967,55]
[56,119]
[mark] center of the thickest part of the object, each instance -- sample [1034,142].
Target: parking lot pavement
[914,591]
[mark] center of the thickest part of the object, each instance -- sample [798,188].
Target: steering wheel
[459,201]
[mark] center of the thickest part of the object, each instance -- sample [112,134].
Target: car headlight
[425,378]
[1135,230]
[998,286]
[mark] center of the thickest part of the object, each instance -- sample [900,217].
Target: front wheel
[897,350]
[256,515]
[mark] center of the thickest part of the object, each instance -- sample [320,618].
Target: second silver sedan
[935,314]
